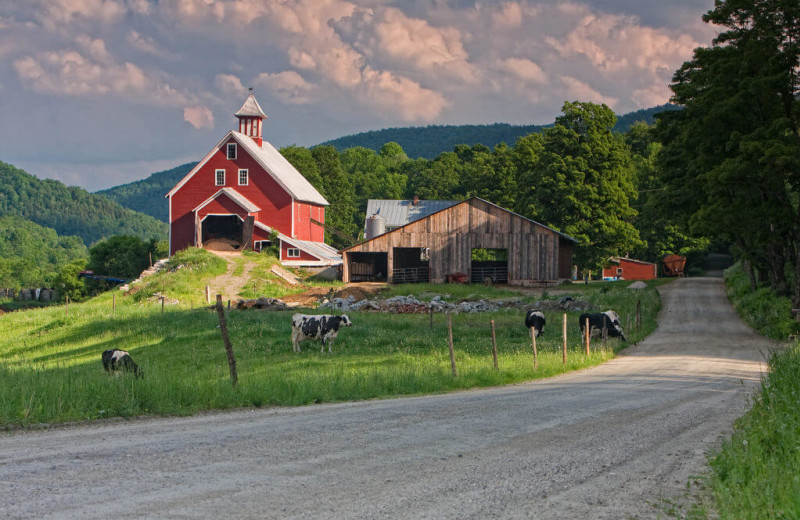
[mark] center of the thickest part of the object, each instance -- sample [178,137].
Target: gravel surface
[617,441]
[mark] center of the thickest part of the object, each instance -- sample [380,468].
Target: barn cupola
[250,118]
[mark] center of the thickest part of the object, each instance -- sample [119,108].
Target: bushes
[763,310]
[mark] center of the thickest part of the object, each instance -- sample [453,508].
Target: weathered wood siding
[451,235]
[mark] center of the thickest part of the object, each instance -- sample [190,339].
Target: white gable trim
[234,196]
[199,165]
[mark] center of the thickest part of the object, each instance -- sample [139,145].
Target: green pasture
[50,369]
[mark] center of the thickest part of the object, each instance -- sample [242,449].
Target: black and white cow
[535,318]
[115,359]
[600,320]
[322,327]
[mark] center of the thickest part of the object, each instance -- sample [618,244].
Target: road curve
[608,442]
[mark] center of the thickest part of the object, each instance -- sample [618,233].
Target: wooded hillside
[429,141]
[70,210]
[147,195]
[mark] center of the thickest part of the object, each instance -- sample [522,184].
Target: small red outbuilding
[629,269]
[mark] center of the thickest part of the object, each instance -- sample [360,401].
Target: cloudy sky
[98,93]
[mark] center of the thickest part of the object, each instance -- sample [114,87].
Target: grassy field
[50,368]
[756,474]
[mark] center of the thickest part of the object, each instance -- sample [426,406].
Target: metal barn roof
[401,212]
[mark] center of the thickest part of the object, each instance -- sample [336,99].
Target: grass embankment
[756,474]
[50,367]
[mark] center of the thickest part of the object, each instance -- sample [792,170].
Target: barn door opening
[368,267]
[489,265]
[410,265]
[222,232]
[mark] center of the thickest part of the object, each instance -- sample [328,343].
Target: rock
[638,285]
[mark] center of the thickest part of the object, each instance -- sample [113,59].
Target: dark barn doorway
[489,265]
[368,267]
[410,264]
[222,232]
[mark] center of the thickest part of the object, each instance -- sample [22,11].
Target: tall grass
[756,474]
[50,368]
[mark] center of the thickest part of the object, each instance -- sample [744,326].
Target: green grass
[756,474]
[50,368]
[763,310]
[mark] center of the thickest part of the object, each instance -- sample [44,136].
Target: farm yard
[51,370]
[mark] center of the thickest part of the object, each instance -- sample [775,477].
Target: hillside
[31,255]
[147,195]
[70,210]
[430,141]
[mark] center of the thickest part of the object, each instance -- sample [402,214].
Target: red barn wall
[303,254]
[262,190]
[631,270]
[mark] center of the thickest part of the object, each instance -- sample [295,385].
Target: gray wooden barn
[473,240]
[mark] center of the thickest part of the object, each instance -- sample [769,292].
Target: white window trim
[291,250]
[228,151]
[246,179]
[619,271]
[216,177]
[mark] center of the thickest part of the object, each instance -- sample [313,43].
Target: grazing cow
[115,359]
[535,318]
[598,321]
[322,327]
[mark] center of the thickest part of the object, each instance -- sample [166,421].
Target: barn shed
[469,241]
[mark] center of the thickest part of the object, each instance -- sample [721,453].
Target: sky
[98,93]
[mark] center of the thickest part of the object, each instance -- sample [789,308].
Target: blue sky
[98,93]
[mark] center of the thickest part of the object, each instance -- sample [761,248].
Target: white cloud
[651,96]
[401,97]
[580,91]
[509,16]
[56,13]
[288,86]
[230,85]
[144,43]
[199,117]
[523,69]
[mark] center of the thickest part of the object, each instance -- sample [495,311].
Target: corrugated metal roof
[281,170]
[321,250]
[401,212]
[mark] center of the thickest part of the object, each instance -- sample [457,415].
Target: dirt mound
[222,244]
[358,293]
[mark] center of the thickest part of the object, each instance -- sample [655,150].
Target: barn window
[292,252]
[219,177]
[619,271]
[231,150]
[242,177]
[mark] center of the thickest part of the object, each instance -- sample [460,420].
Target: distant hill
[70,210]
[147,195]
[430,141]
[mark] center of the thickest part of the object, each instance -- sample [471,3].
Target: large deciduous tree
[581,183]
[731,158]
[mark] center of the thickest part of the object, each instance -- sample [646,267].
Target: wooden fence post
[208,295]
[431,325]
[638,315]
[162,303]
[564,334]
[66,307]
[223,328]
[450,343]
[533,346]
[494,347]
[588,351]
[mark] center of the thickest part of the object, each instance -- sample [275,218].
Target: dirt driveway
[616,441]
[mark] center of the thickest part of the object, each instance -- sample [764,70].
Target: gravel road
[617,441]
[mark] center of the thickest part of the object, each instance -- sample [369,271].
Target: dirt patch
[313,296]
[222,244]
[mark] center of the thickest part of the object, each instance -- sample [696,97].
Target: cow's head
[345,320]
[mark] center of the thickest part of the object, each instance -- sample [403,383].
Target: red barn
[630,269]
[241,191]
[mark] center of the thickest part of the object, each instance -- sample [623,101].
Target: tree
[581,184]
[123,256]
[489,174]
[303,161]
[339,191]
[731,158]
[439,179]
